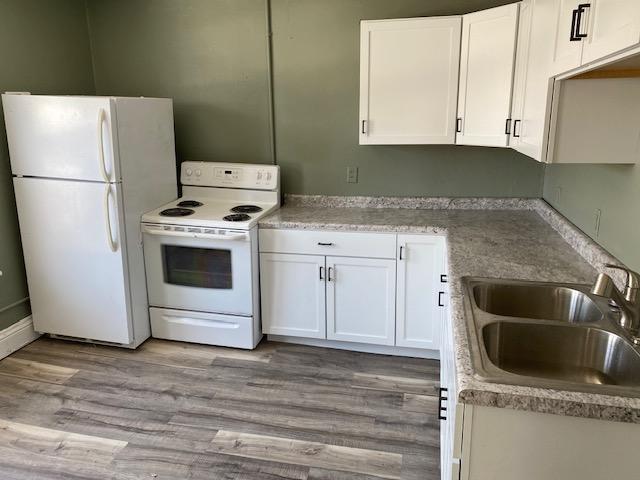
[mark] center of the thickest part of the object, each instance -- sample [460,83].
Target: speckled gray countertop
[511,238]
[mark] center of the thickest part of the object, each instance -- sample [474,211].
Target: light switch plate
[352,174]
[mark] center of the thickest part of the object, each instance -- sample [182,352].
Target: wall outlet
[596,224]
[558,195]
[352,174]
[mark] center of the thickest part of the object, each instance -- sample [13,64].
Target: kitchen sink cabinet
[378,289]
[486,76]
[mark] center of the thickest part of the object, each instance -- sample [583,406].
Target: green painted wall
[43,49]
[210,56]
[578,190]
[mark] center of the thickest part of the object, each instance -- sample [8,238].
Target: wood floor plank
[420,403]
[45,372]
[370,462]
[30,439]
[420,386]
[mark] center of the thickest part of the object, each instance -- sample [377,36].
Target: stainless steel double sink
[548,335]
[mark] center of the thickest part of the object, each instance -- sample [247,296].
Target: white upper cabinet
[613,26]
[590,31]
[486,76]
[409,80]
[531,107]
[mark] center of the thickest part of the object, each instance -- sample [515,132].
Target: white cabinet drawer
[345,244]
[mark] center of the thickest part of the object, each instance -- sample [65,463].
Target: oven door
[191,270]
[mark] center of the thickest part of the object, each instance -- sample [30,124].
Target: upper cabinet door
[409,80]
[532,84]
[70,138]
[613,26]
[570,26]
[486,76]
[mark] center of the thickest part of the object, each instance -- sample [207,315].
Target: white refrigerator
[85,170]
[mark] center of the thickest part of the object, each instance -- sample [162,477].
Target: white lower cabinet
[361,299]
[420,296]
[368,288]
[293,295]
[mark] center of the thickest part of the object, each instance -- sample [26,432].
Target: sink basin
[545,302]
[582,355]
[548,335]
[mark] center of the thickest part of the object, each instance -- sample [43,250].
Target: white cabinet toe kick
[375,292]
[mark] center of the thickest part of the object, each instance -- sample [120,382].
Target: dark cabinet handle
[442,398]
[576,23]
[444,278]
[401,248]
[458,125]
[362,130]
[440,302]
[321,269]
[324,244]
[329,270]
[507,127]
[515,128]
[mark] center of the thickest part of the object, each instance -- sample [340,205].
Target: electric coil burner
[190,203]
[237,217]
[246,209]
[177,212]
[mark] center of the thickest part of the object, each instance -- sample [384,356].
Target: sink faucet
[627,301]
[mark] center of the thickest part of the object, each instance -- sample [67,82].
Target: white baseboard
[17,336]
[359,347]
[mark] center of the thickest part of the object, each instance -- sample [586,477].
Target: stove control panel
[230,175]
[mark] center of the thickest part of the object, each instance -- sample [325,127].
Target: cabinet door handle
[444,278]
[363,127]
[321,270]
[576,23]
[507,127]
[458,125]
[516,134]
[400,256]
[329,270]
[440,300]
[442,398]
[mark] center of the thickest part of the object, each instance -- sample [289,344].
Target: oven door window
[197,267]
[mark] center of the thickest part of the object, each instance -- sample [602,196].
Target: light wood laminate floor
[171,410]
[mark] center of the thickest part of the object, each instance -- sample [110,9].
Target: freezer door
[73,250]
[62,137]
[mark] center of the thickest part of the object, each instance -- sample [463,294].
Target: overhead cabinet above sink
[495,78]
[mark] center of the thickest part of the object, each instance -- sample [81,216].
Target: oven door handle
[210,236]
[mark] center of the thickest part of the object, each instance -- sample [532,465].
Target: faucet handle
[632,283]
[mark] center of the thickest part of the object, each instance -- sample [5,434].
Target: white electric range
[201,254]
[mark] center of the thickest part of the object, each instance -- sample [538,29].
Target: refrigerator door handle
[113,246]
[102,116]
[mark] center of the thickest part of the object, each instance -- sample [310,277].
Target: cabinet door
[419,317]
[533,85]
[613,26]
[486,76]
[409,80]
[361,295]
[567,49]
[293,295]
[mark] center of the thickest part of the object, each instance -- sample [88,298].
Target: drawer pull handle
[442,398]
[324,244]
